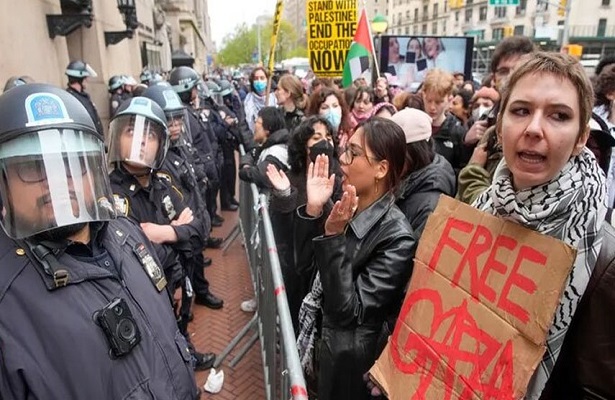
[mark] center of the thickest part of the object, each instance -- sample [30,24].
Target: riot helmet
[52,162]
[226,88]
[215,91]
[116,82]
[146,76]
[79,70]
[174,110]
[184,79]
[14,81]
[138,135]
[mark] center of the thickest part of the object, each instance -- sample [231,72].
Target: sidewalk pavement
[212,330]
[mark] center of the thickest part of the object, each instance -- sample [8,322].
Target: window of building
[606,3]
[520,10]
[601,27]
[444,27]
[469,2]
[425,12]
[407,15]
[468,15]
[415,30]
[445,6]
[482,13]
[434,28]
[416,14]
[498,34]
[399,18]
[407,30]
[500,12]
[518,30]
[456,16]
[424,29]
[435,10]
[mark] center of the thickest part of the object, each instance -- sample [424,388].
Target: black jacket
[420,191]
[273,151]
[585,368]
[85,99]
[50,346]
[159,203]
[448,141]
[364,274]
[292,119]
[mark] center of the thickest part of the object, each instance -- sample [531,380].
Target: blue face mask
[260,86]
[334,116]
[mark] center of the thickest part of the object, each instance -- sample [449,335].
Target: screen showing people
[410,57]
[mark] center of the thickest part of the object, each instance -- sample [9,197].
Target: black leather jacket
[585,368]
[364,274]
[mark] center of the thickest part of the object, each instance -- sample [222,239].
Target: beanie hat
[416,124]
[487,93]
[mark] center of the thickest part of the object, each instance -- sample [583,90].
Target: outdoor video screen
[408,58]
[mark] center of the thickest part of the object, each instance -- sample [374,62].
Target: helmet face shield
[137,141]
[177,122]
[53,178]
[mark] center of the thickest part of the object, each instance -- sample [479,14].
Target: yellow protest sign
[331,27]
[274,35]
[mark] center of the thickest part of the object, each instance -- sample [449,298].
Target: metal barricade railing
[282,370]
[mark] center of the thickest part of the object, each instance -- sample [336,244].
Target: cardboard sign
[331,26]
[481,300]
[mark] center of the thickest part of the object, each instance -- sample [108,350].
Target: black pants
[228,179]
[200,284]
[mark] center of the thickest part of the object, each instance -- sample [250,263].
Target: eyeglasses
[34,171]
[349,153]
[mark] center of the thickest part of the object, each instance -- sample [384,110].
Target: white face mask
[480,111]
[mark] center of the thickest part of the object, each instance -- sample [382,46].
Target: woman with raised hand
[363,253]
[314,136]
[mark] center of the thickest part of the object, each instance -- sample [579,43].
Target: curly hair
[320,96]
[297,148]
[605,84]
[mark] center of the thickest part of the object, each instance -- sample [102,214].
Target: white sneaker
[248,305]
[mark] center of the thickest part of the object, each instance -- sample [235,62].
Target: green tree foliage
[237,47]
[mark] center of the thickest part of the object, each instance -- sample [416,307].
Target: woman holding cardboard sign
[363,254]
[548,181]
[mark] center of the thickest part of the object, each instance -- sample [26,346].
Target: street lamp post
[379,25]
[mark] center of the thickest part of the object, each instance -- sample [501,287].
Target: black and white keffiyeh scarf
[571,207]
[308,320]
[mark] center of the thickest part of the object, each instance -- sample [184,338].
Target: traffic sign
[503,2]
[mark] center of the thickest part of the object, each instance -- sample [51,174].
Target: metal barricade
[271,322]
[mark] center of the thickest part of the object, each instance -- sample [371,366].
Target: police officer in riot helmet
[186,82]
[78,73]
[116,89]
[179,168]
[138,144]
[84,313]
[146,76]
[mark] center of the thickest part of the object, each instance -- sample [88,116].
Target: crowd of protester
[352,175]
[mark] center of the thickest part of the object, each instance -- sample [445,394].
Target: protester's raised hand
[342,212]
[476,132]
[278,178]
[319,185]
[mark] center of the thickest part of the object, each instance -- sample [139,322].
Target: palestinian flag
[361,49]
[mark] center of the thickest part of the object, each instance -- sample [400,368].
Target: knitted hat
[416,124]
[487,93]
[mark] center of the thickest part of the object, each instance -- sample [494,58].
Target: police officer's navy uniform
[178,168]
[86,101]
[50,346]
